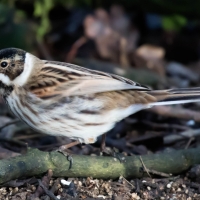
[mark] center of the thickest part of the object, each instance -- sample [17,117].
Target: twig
[123,57]
[147,171]
[5,153]
[55,186]
[176,112]
[159,173]
[43,186]
[189,142]
[44,50]
[14,141]
[165,125]
[137,186]
[33,136]
[128,182]
[147,136]
[171,178]
[48,192]
[9,123]
[153,171]
[183,135]
[74,49]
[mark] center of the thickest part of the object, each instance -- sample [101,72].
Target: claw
[68,156]
[63,149]
[70,159]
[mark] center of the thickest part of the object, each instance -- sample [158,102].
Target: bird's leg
[103,147]
[112,152]
[103,143]
[63,149]
[67,146]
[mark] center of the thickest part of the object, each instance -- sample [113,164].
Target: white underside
[66,126]
[71,122]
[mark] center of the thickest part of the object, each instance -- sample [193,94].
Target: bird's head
[15,68]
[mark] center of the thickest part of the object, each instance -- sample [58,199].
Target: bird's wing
[56,78]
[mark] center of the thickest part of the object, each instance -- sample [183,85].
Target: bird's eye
[4,64]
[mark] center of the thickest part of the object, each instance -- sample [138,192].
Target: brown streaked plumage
[64,99]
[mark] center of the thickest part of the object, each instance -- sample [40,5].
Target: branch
[176,112]
[36,162]
[9,123]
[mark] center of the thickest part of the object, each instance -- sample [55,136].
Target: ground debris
[179,188]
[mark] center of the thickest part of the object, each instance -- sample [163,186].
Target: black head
[11,66]
[12,62]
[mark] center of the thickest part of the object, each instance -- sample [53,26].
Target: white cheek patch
[5,79]
[28,67]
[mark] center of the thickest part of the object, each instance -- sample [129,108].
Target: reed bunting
[63,99]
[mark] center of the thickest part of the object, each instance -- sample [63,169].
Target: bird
[63,99]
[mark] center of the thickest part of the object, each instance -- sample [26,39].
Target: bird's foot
[113,152]
[63,149]
[67,155]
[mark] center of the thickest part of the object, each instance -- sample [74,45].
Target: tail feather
[176,96]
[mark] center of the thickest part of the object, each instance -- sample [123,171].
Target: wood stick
[37,162]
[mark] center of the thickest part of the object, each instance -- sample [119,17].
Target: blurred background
[161,37]
[131,34]
[154,42]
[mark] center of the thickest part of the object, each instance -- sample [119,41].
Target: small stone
[134,196]
[169,185]
[64,182]
[16,189]
[148,188]
[190,122]
[101,196]
[33,188]
[80,183]
[184,186]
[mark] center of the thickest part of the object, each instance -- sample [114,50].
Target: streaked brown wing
[70,80]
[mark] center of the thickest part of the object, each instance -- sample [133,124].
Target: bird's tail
[175,96]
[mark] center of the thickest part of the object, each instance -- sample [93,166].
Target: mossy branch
[36,162]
